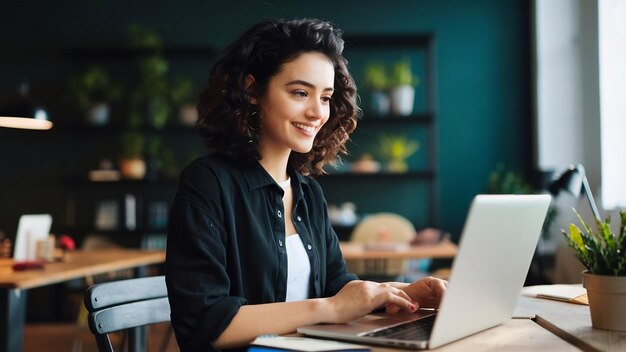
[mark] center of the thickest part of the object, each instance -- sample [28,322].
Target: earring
[255,120]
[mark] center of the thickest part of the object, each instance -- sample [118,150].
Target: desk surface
[444,249]
[78,264]
[571,322]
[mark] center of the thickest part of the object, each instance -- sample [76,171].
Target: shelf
[423,118]
[83,181]
[124,52]
[378,175]
[388,40]
[113,128]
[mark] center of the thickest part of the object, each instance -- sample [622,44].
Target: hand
[425,293]
[358,298]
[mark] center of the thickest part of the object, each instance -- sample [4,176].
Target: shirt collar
[256,176]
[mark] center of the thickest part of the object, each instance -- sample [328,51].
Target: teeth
[305,127]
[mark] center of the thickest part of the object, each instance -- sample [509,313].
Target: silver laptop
[495,250]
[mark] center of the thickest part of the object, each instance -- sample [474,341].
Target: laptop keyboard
[413,330]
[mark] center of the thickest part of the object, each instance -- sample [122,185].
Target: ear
[249,82]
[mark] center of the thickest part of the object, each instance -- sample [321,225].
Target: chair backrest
[126,304]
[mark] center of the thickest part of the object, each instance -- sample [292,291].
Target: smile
[305,128]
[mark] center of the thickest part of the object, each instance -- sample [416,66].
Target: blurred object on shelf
[403,83]
[395,150]
[105,172]
[107,215]
[93,91]
[345,215]
[366,164]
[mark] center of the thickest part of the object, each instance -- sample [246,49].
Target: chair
[382,231]
[127,305]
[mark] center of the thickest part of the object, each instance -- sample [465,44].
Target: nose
[317,110]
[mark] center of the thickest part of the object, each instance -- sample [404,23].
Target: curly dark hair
[229,123]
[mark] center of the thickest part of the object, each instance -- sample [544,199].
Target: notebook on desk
[495,251]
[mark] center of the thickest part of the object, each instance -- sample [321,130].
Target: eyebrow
[307,84]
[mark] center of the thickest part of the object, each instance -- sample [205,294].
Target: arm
[355,299]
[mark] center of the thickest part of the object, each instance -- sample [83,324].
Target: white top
[298,269]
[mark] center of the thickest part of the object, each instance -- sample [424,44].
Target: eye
[326,99]
[300,93]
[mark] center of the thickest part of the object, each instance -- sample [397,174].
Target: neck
[276,166]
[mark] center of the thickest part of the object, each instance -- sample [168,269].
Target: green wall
[484,104]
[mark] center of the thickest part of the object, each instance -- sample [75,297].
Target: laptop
[495,251]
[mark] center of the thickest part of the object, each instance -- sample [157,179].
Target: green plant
[376,77]
[182,91]
[600,251]
[396,149]
[94,85]
[402,74]
[504,181]
[133,145]
[151,97]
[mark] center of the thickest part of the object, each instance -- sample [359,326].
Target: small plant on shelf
[132,161]
[403,82]
[396,150]
[93,91]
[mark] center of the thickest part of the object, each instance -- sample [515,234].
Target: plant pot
[379,102]
[98,114]
[607,300]
[402,98]
[133,169]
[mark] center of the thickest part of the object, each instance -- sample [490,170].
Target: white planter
[402,99]
[98,114]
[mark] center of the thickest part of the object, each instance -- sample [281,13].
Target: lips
[305,128]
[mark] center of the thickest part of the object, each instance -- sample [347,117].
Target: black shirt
[226,245]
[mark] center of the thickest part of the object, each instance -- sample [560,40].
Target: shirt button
[299,218]
[280,243]
[279,213]
[309,247]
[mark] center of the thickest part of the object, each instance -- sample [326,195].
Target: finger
[398,300]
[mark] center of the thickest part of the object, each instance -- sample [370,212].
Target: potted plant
[396,150]
[403,82]
[150,99]
[93,91]
[132,161]
[183,97]
[603,253]
[377,81]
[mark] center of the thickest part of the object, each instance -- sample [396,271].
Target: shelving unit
[104,207]
[413,194]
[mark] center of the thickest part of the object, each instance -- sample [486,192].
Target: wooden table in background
[14,285]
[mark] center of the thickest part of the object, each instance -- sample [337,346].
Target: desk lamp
[573,180]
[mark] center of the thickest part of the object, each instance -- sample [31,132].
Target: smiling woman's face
[296,104]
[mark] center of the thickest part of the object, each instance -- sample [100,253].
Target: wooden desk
[14,285]
[572,323]
[444,249]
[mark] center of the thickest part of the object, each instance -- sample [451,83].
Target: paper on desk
[565,293]
[296,343]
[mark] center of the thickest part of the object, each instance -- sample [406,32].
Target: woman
[250,247]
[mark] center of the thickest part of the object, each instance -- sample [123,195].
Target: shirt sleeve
[195,270]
